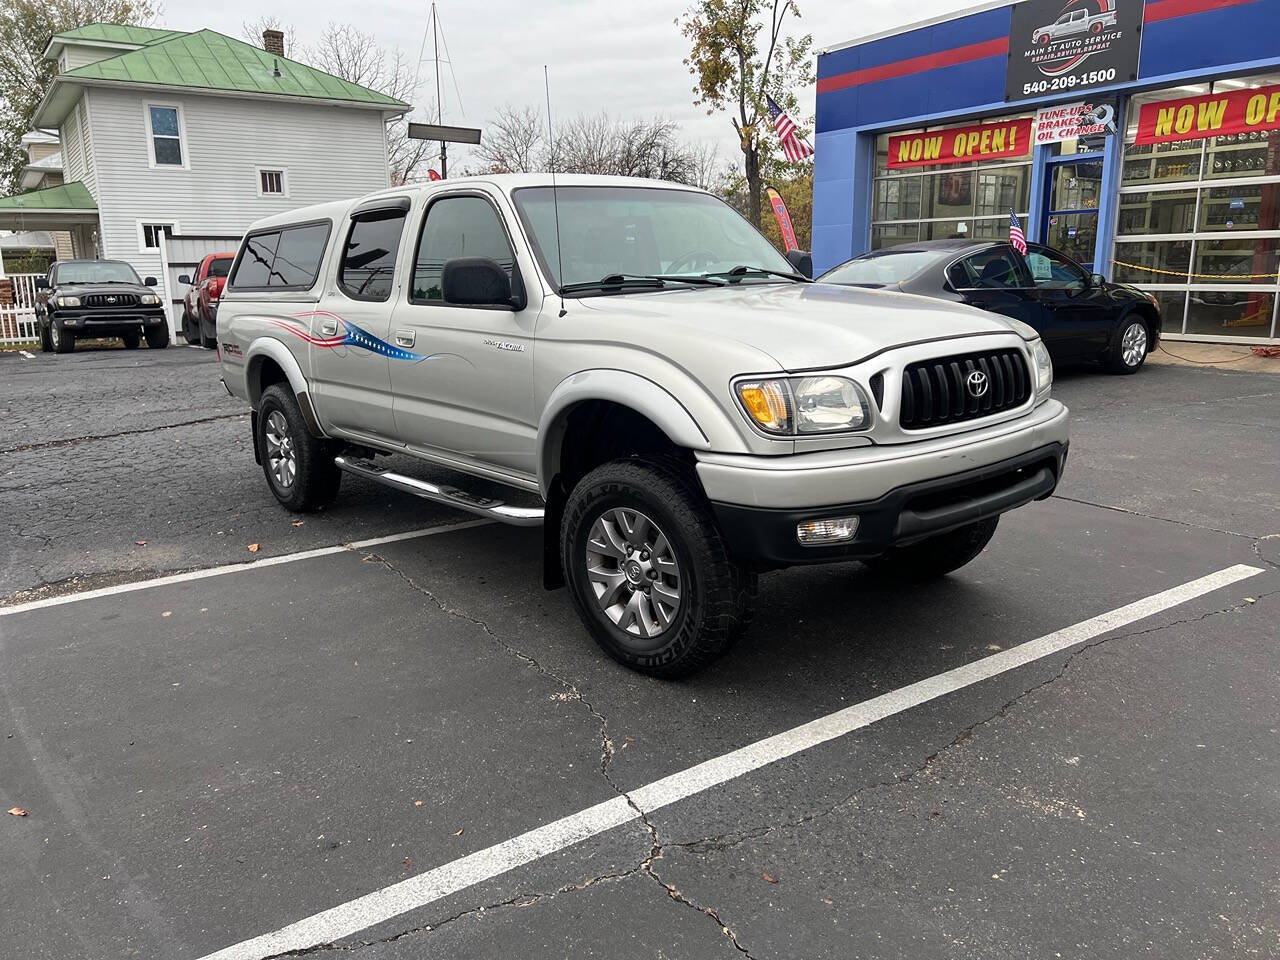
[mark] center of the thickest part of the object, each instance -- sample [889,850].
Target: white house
[194,133]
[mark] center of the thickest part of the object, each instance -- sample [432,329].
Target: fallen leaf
[459,831]
[298,523]
[167,613]
[828,901]
[1250,600]
[417,803]
[769,877]
[407,863]
[17,812]
[141,543]
[255,547]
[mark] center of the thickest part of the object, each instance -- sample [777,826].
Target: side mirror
[150,281]
[1097,280]
[184,278]
[801,262]
[477,282]
[42,283]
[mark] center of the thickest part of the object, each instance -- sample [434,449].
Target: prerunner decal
[350,335]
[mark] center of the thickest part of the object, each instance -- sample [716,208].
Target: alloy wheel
[1133,345]
[281,455]
[633,572]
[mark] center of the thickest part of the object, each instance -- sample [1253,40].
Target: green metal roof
[208,60]
[67,196]
[116,33]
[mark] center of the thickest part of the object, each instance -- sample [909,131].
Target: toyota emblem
[111,299]
[977,383]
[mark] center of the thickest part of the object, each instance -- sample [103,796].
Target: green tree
[25,75]
[739,55]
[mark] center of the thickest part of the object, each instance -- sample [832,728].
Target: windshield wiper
[742,270]
[622,281]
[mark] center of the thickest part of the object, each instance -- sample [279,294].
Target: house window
[271,183]
[151,233]
[166,136]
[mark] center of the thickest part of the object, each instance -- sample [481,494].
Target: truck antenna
[555,197]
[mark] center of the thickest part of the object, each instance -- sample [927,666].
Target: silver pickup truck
[686,410]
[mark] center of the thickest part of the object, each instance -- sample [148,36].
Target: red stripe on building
[1158,10]
[998,47]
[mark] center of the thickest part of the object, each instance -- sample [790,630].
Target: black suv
[99,298]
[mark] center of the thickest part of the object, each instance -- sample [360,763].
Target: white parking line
[371,909]
[235,567]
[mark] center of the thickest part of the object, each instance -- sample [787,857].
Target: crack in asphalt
[72,441]
[726,841]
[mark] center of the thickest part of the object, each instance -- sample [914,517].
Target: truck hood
[82,289]
[801,326]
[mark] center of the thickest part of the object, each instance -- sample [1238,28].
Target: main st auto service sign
[1071,45]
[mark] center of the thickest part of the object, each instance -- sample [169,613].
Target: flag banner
[1210,115]
[794,147]
[1016,235]
[982,141]
[783,218]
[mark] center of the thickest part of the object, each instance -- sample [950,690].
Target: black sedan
[1080,316]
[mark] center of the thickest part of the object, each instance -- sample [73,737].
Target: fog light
[833,530]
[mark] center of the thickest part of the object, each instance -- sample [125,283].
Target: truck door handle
[404,338]
[329,327]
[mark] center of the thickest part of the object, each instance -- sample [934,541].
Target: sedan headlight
[1044,367]
[804,406]
[68,301]
[150,300]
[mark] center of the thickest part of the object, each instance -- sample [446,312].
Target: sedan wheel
[1130,349]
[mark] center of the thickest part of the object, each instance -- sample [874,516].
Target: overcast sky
[623,56]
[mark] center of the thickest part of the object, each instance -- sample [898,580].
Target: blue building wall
[955,71]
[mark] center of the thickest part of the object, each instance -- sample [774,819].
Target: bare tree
[514,142]
[351,54]
[251,32]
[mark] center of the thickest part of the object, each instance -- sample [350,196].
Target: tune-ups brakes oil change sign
[1057,45]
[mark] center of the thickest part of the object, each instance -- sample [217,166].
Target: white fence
[18,320]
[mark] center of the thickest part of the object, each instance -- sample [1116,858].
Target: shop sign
[1073,46]
[982,141]
[1086,120]
[1210,115]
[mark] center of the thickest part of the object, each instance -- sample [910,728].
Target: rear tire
[61,339]
[1129,352]
[158,336]
[299,467]
[684,601]
[936,556]
[190,327]
[131,341]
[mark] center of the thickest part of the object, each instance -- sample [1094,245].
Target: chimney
[273,42]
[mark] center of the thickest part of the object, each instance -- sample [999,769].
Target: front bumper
[900,493]
[109,323]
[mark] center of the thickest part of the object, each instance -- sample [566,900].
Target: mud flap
[552,571]
[253,425]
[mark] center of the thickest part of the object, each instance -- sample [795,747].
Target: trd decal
[350,335]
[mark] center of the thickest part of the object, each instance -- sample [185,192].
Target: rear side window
[457,227]
[369,258]
[287,259]
[220,267]
[996,268]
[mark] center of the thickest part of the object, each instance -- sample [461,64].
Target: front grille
[111,300]
[936,391]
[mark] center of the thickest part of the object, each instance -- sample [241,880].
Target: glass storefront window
[1173,305]
[1074,234]
[1230,313]
[897,199]
[1076,186]
[1237,260]
[946,229]
[1157,211]
[1001,189]
[1241,208]
[1251,154]
[1162,261]
[892,234]
[1162,162]
[947,194]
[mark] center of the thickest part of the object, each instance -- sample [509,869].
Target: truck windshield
[643,232]
[880,269]
[95,271]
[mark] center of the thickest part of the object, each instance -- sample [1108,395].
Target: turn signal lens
[835,530]
[769,404]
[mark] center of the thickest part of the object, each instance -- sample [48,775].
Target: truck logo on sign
[1072,45]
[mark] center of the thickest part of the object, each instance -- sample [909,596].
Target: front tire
[299,467]
[62,340]
[131,341]
[648,571]
[937,556]
[45,345]
[1129,352]
[158,336]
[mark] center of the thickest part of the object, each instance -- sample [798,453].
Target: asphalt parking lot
[1068,749]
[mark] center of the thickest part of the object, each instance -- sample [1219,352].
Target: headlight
[150,300]
[68,301]
[804,406]
[1044,367]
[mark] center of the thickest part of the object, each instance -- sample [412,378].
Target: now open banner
[1210,115]
[982,141]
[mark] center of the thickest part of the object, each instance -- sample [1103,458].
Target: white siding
[72,155]
[83,111]
[330,152]
[77,56]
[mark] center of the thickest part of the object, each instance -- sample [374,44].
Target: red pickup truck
[200,304]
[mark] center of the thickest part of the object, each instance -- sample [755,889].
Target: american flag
[793,145]
[1016,236]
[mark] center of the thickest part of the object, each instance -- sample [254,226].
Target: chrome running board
[449,496]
